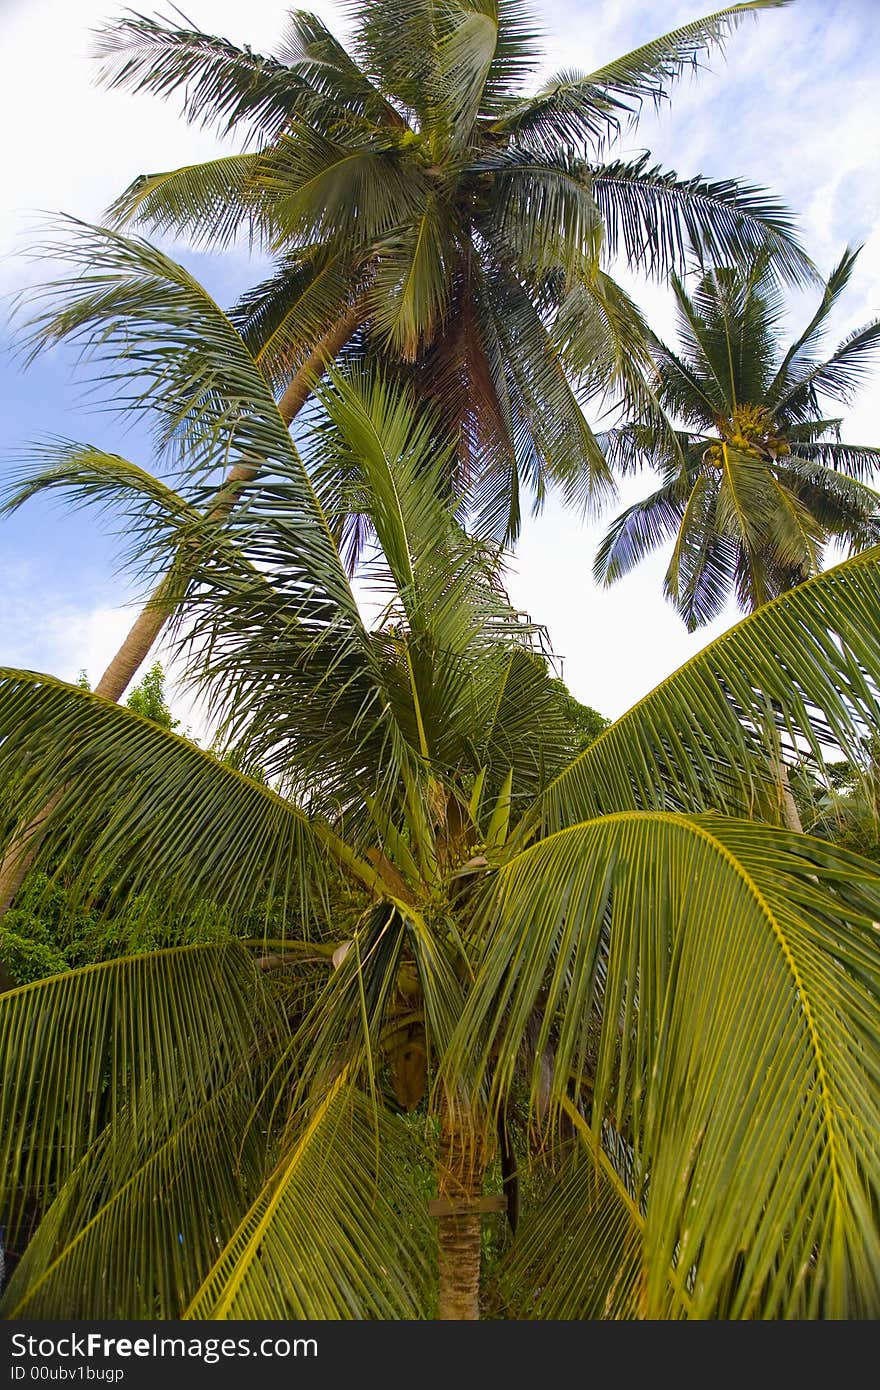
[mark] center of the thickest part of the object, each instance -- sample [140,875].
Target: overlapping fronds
[134,1230]
[709,987]
[339,1231]
[121,1048]
[283,317]
[158,344]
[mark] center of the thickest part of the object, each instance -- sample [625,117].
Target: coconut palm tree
[611,956]
[424,205]
[756,480]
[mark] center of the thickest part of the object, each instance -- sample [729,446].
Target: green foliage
[148,698]
[586,723]
[49,928]
[618,951]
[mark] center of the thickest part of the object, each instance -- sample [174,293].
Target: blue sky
[794,106]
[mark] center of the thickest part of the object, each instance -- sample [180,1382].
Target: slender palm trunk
[791,818]
[461,1168]
[22,849]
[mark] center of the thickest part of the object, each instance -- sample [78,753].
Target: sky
[793,105]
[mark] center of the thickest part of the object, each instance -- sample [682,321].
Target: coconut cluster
[750,430]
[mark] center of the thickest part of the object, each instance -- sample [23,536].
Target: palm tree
[427,210]
[424,206]
[610,956]
[755,478]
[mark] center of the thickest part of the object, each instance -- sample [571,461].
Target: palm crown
[425,207]
[601,939]
[756,479]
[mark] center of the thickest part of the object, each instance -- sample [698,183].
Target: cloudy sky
[794,105]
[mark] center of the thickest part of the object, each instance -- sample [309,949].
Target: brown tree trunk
[460,1179]
[22,849]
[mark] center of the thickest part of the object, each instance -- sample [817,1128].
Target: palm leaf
[146,813]
[134,1230]
[213,201]
[338,1232]
[655,219]
[752,1112]
[220,83]
[125,1046]
[808,662]
[584,110]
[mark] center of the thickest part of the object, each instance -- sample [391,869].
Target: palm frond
[220,84]
[113,1049]
[639,530]
[282,318]
[310,50]
[643,935]
[160,345]
[134,1229]
[807,662]
[834,286]
[656,219]
[581,111]
[859,461]
[214,202]
[144,813]
[343,187]
[838,378]
[339,1231]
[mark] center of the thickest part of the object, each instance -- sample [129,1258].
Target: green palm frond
[145,813]
[151,516]
[589,1220]
[727,330]
[517,55]
[212,202]
[127,1235]
[807,662]
[345,188]
[858,461]
[409,291]
[282,318]
[338,1231]
[396,44]
[583,110]
[130,1045]
[754,525]
[704,562]
[838,378]
[638,531]
[843,507]
[677,961]
[834,286]
[219,83]
[159,344]
[310,50]
[655,219]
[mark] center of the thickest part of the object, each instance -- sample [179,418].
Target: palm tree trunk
[461,1167]
[22,849]
[791,818]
